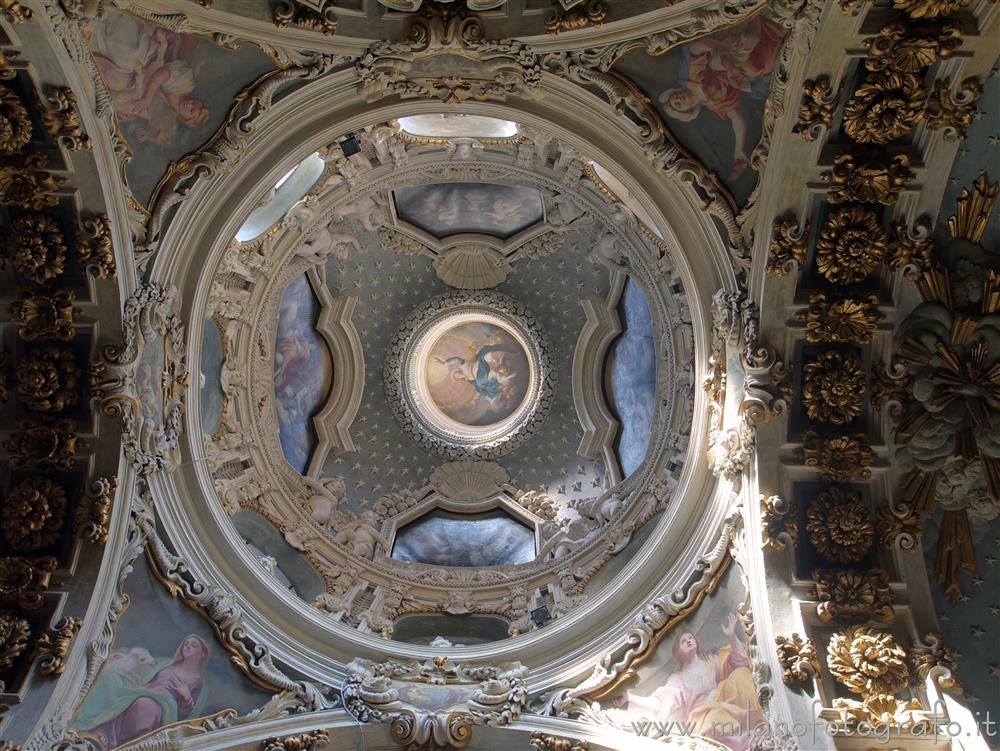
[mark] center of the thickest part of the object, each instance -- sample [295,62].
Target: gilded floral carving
[788,246]
[43,446]
[911,247]
[880,710]
[21,579]
[543,742]
[851,244]
[25,182]
[841,320]
[52,647]
[902,528]
[62,121]
[300,15]
[817,107]
[94,247]
[867,176]
[833,385]
[14,633]
[589,13]
[313,739]
[953,112]
[911,47]
[843,457]
[33,514]
[886,106]
[798,659]
[45,316]
[867,661]
[932,654]
[853,595]
[929,8]
[839,526]
[36,247]
[48,379]
[15,12]
[15,124]
[93,514]
[777,522]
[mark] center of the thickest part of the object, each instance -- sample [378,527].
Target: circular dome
[467,375]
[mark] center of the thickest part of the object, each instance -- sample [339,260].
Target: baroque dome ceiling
[552,374]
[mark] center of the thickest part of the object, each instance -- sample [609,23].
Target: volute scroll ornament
[788,246]
[798,659]
[62,120]
[53,646]
[778,523]
[953,112]
[817,108]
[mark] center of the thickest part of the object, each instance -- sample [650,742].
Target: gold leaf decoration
[14,633]
[953,112]
[911,247]
[839,526]
[903,529]
[867,177]
[935,654]
[63,120]
[929,8]
[867,661]
[15,124]
[778,522]
[95,248]
[972,209]
[886,106]
[34,514]
[543,742]
[788,246]
[590,13]
[22,579]
[300,15]
[36,247]
[43,446]
[841,320]
[911,47]
[93,515]
[851,244]
[843,457]
[817,107]
[25,182]
[45,316]
[834,384]
[798,659]
[16,12]
[48,379]
[53,646]
[853,596]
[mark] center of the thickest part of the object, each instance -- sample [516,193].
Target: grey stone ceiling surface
[388,287]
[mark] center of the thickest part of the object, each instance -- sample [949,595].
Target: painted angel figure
[487,372]
[150,73]
[720,67]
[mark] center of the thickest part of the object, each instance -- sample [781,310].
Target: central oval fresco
[467,374]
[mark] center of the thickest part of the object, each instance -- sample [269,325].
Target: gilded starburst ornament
[867,661]
[833,385]
[886,106]
[867,176]
[841,320]
[853,596]
[36,247]
[851,245]
[45,316]
[842,457]
[911,47]
[839,526]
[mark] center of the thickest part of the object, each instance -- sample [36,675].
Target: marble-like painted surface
[444,209]
[165,666]
[442,538]
[302,371]
[211,369]
[631,378]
